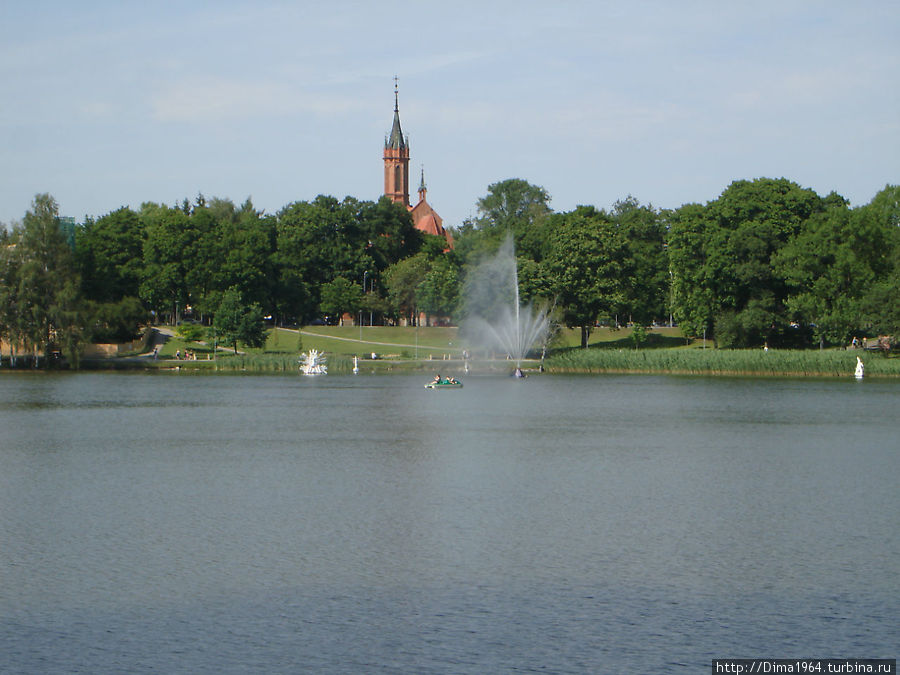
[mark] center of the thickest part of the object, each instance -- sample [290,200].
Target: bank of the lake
[754,362]
[391,350]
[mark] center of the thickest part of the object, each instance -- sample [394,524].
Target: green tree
[402,280]
[248,260]
[880,306]
[387,234]
[48,298]
[316,242]
[340,296]
[438,292]
[12,327]
[116,321]
[510,206]
[585,261]
[721,259]
[202,256]
[693,294]
[235,322]
[110,256]
[646,273]
[831,268]
[164,286]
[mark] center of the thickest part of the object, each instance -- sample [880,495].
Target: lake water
[188,524]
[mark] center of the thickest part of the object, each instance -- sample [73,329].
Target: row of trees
[768,261]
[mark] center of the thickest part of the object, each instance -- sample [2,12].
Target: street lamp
[365,274]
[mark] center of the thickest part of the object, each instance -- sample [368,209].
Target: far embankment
[387,349]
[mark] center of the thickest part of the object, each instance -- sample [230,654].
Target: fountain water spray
[494,315]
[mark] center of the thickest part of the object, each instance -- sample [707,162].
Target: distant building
[396,180]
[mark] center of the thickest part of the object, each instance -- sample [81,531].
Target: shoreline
[285,365]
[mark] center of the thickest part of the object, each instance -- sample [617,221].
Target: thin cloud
[218,100]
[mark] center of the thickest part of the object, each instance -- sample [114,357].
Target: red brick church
[396,180]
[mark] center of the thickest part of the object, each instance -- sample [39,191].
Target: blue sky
[108,104]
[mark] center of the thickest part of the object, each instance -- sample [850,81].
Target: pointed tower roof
[396,140]
[422,187]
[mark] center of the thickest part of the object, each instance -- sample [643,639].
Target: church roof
[429,225]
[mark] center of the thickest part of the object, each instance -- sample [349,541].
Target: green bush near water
[829,363]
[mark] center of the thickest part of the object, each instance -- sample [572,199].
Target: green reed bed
[829,363]
[277,363]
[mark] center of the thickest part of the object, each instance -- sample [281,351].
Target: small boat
[448,383]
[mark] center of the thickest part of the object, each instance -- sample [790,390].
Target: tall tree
[237,322]
[880,306]
[830,267]
[340,296]
[515,205]
[402,281]
[316,244]
[585,259]
[438,292]
[646,273]
[164,286]
[694,301]
[48,295]
[110,256]
[721,259]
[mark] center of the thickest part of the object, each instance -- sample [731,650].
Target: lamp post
[371,289]
[365,274]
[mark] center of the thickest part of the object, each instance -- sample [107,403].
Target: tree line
[767,262]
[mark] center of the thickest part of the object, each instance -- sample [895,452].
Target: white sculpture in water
[313,363]
[860,369]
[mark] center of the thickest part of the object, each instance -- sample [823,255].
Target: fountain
[313,363]
[494,315]
[860,369]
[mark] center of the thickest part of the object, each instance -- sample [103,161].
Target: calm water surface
[184,524]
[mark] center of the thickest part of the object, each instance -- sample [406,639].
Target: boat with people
[444,383]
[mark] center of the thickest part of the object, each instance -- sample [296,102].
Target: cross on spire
[396,88]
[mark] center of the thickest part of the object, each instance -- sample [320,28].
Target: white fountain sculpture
[495,317]
[860,369]
[313,363]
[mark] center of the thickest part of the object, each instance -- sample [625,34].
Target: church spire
[422,188]
[396,140]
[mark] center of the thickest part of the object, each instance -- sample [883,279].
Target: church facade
[396,181]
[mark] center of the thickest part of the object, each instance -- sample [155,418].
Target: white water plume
[495,317]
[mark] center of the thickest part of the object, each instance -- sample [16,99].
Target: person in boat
[452,380]
[437,379]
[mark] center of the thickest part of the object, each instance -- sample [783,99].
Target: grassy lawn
[396,342]
[401,342]
[386,341]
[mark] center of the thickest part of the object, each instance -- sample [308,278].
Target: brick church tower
[396,180]
[396,160]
